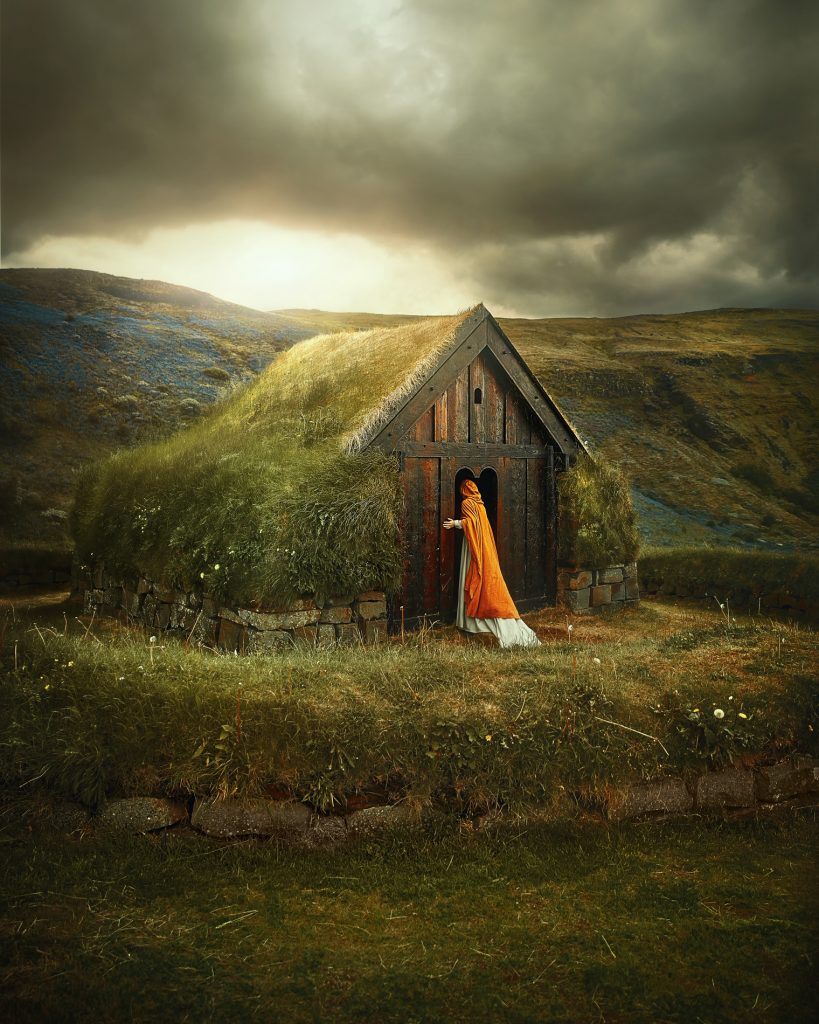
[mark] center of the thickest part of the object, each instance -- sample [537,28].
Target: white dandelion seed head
[719,713]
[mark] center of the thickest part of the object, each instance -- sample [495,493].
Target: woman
[484,603]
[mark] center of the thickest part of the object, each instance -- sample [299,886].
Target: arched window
[478,396]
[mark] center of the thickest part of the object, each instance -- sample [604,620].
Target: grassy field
[711,414]
[659,922]
[93,709]
[464,919]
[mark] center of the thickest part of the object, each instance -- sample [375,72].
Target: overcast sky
[546,157]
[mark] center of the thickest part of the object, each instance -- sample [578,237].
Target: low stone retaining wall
[794,781]
[589,591]
[193,613]
[745,600]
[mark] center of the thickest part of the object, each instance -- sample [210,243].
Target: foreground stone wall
[341,619]
[736,791]
[588,591]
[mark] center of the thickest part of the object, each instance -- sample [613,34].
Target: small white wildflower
[71,664]
[719,713]
[596,661]
[730,698]
[152,640]
[742,714]
[570,627]
[217,566]
[201,575]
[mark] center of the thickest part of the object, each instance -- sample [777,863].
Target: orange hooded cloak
[485,593]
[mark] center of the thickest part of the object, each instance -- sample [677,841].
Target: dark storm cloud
[610,155]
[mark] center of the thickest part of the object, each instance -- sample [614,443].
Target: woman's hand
[450,524]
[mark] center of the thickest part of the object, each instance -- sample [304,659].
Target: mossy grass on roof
[270,494]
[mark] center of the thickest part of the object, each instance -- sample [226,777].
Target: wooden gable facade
[480,413]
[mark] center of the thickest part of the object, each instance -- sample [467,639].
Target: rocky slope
[90,362]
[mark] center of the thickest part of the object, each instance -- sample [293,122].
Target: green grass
[434,721]
[597,520]
[742,576]
[262,486]
[661,923]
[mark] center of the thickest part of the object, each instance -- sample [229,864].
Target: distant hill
[90,362]
[712,414]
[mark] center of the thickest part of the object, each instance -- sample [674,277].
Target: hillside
[712,414]
[90,362]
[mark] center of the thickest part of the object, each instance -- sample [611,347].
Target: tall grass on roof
[598,522]
[270,495]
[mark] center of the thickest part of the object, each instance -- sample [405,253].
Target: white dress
[509,632]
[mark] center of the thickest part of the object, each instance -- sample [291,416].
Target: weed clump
[598,522]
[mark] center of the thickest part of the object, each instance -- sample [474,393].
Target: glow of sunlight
[266,267]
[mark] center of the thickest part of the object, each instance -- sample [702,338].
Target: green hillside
[712,414]
[90,363]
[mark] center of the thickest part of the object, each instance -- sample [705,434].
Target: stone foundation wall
[587,591]
[341,619]
[735,791]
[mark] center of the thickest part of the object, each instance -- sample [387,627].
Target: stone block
[168,596]
[348,635]
[99,577]
[375,631]
[578,600]
[144,586]
[618,591]
[611,574]
[163,616]
[268,641]
[371,820]
[230,637]
[632,589]
[661,796]
[112,596]
[576,579]
[67,817]
[338,600]
[280,620]
[234,617]
[304,636]
[786,779]
[730,788]
[131,602]
[340,614]
[209,608]
[630,571]
[325,636]
[140,814]
[600,595]
[325,830]
[371,609]
[252,817]
[371,595]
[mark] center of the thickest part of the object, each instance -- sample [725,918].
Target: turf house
[309,503]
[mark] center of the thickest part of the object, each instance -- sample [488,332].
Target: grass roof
[271,494]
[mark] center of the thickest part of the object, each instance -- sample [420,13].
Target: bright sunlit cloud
[270,268]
